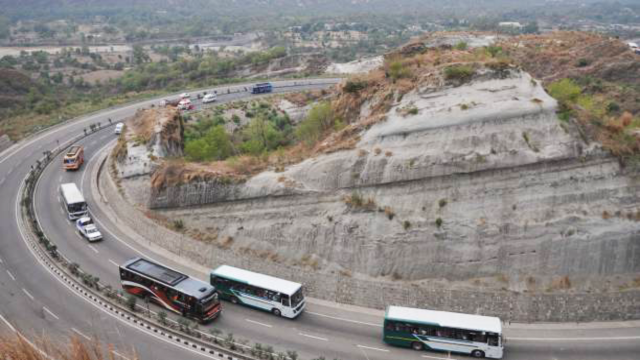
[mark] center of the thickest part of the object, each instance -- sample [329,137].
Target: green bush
[397,70]
[493,50]
[566,91]
[354,86]
[459,72]
[462,46]
[320,119]
[215,145]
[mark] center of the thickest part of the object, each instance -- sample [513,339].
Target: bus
[475,335]
[278,296]
[170,289]
[262,88]
[73,201]
[74,158]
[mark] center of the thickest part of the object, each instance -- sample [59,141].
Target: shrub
[582,62]
[461,46]
[397,70]
[493,50]
[613,107]
[215,145]
[413,111]
[459,72]
[406,224]
[566,91]
[442,203]
[178,224]
[389,212]
[354,86]
[131,302]
[319,119]
[439,222]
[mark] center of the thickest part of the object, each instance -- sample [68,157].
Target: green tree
[319,119]
[261,135]
[215,145]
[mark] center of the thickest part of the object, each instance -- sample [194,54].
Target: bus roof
[255,279]
[445,319]
[263,85]
[71,193]
[183,283]
[73,151]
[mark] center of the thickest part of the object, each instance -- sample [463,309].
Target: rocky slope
[471,180]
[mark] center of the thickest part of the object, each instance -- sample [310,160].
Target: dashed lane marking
[11,275]
[372,348]
[27,293]
[438,358]
[114,263]
[119,355]
[1,262]
[576,339]
[258,323]
[80,333]
[94,249]
[313,337]
[50,312]
[342,319]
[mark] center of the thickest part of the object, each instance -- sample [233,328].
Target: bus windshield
[297,298]
[77,207]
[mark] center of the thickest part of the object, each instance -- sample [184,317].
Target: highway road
[36,303]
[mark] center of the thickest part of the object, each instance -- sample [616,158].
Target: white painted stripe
[29,295]
[120,355]
[7,323]
[313,337]
[372,348]
[62,212]
[114,263]
[439,358]
[342,319]
[11,275]
[50,312]
[258,323]
[79,333]
[575,338]
[60,179]
[1,262]
[94,249]
[2,181]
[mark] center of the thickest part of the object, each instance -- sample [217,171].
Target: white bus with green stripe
[278,296]
[475,335]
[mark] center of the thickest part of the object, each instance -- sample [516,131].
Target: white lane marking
[94,249]
[1,262]
[60,179]
[50,312]
[80,236]
[7,323]
[85,169]
[80,333]
[11,275]
[371,348]
[61,212]
[27,293]
[439,358]
[120,355]
[342,319]
[577,339]
[258,323]
[313,337]
[2,180]
[114,263]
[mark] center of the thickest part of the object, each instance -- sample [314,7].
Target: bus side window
[390,325]
[285,300]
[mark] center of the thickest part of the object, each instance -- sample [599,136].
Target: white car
[119,127]
[185,96]
[88,230]
[209,98]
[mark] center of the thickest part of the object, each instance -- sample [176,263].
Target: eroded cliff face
[459,182]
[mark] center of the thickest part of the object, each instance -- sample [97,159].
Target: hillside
[453,168]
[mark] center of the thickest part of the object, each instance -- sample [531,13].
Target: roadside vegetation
[16,348]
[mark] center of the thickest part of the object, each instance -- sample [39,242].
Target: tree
[261,135]
[215,145]
[319,119]
[139,55]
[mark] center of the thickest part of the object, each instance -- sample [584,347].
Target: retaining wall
[510,306]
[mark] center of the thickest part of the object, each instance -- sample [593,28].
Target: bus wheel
[234,300]
[477,354]
[417,345]
[276,312]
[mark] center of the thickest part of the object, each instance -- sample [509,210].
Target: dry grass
[16,348]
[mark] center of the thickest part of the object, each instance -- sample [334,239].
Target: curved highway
[34,302]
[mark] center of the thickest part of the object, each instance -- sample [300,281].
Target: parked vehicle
[88,229]
[185,104]
[119,128]
[74,158]
[209,98]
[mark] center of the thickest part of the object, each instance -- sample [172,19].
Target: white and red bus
[170,289]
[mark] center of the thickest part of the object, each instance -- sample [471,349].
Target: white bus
[280,297]
[73,201]
[475,335]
